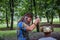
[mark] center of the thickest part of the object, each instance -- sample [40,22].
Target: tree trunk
[34,2]
[7,18]
[12,12]
[59,17]
[47,14]
[30,8]
[47,17]
[59,14]
[51,19]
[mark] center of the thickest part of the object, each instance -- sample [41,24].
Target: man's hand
[37,21]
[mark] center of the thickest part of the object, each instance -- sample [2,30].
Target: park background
[12,10]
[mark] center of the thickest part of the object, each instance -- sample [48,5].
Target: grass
[7,33]
[55,20]
[4,25]
[11,33]
[57,29]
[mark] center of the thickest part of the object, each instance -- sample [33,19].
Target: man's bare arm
[31,27]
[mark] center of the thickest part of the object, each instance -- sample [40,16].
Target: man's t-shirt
[47,38]
[20,36]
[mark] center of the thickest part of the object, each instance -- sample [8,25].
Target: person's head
[27,17]
[47,30]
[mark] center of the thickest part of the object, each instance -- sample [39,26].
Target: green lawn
[55,20]
[4,25]
[57,29]
[10,33]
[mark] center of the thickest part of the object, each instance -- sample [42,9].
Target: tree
[7,18]
[34,2]
[58,8]
[12,12]
[4,8]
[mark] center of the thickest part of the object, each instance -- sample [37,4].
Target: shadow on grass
[8,35]
[3,29]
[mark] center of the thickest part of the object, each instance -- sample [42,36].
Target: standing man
[24,26]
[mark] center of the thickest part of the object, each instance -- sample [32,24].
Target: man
[47,32]
[24,26]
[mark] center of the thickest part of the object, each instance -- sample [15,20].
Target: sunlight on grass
[57,29]
[8,33]
[55,20]
[2,25]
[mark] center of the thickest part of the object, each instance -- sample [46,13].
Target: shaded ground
[4,29]
[44,24]
[53,25]
[8,35]
[36,36]
[33,36]
[8,38]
